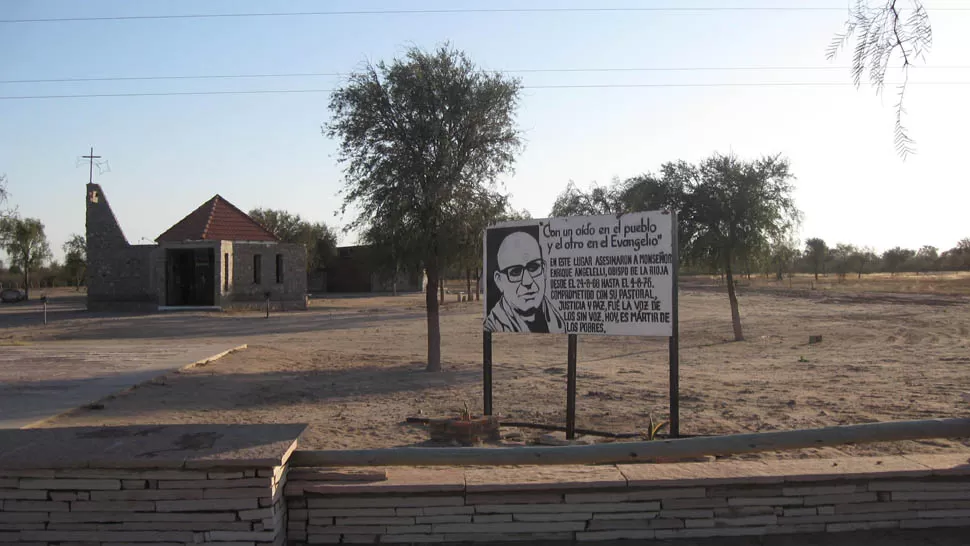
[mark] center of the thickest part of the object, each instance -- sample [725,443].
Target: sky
[168,154]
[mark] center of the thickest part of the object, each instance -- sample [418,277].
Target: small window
[258,269]
[345,253]
[279,269]
[225,274]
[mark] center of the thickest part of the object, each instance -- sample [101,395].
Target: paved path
[43,379]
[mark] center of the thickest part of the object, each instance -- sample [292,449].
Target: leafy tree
[735,206]
[319,240]
[958,257]
[929,252]
[894,258]
[842,255]
[883,31]
[598,200]
[729,211]
[75,258]
[927,258]
[321,243]
[962,252]
[389,251]
[4,195]
[669,189]
[816,252]
[783,254]
[49,275]
[419,137]
[286,226]
[861,258]
[478,215]
[26,244]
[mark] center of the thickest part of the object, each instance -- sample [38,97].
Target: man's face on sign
[521,273]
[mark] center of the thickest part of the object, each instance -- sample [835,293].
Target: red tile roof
[216,220]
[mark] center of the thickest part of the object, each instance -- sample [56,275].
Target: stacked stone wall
[685,501]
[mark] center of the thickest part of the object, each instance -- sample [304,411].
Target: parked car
[12,295]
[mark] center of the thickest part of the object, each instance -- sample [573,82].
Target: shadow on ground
[261,391]
[213,325]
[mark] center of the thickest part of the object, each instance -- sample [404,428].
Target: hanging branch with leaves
[882,32]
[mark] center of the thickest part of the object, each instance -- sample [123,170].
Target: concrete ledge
[397,480]
[481,480]
[148,447]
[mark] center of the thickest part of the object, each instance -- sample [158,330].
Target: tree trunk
[468,278]
[441,288]
[26,281]
[733,297]
[434,328]
[816,272]
[478,286]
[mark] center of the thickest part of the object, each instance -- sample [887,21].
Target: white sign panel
[609,275]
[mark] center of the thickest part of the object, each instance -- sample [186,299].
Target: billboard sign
[598,275]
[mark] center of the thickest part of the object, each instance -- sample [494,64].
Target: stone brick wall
[152,484]
[290,294]
[632,502]
[112,506]
[119,275]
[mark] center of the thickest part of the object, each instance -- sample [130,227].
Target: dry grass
[955,283]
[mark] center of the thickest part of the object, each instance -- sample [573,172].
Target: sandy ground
[353,369]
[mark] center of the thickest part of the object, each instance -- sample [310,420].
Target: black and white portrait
[516,297]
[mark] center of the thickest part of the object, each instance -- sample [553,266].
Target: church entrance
[190,277]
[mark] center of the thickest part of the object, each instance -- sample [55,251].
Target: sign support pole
[674,333]
[487,372]
[571,387]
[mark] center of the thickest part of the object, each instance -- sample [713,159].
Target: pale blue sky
[169,154]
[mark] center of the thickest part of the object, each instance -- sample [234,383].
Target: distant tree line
[844,260]
[776,256]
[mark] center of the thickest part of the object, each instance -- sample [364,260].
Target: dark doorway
[190,279]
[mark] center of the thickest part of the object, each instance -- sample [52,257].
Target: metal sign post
[674,345]
[487,371]
[571,388]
